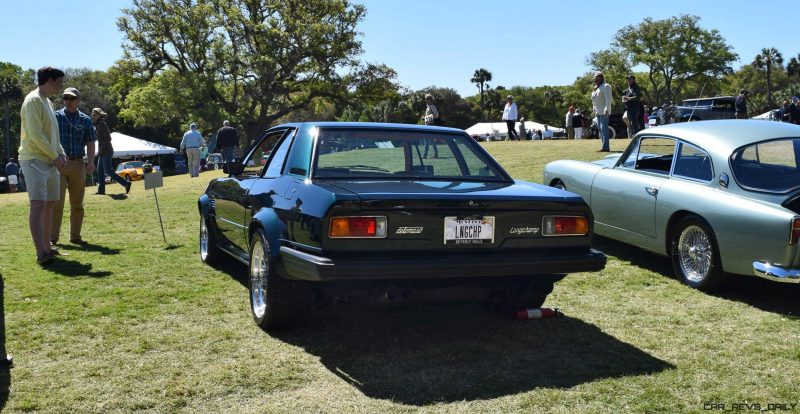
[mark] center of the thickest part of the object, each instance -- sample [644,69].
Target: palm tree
[768,57]
[793,67]
[479,78]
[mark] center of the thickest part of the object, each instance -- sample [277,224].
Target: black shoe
[99,193]
[79,241]
[128,187]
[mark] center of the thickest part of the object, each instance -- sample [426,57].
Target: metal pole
[159,216]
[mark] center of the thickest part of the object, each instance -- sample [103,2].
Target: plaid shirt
[76,131]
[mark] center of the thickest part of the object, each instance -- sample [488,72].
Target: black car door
[231,195]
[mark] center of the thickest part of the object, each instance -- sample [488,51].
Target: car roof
[712,97]
[369,125]
[726,135]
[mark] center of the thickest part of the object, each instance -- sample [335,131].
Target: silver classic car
[716,197]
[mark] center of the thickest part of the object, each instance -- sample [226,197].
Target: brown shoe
[45,259]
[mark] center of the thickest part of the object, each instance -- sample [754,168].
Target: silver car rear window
[769,166]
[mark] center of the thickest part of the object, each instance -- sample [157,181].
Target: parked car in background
[700,109]
[131,170]
[616,127]
[341,209]
[715,197]
[214,161]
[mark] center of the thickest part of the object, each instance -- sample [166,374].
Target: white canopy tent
[499,130]
[126,146]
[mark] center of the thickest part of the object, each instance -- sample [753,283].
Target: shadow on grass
[762,294]
[118,196]
[173,247]
[5,368]
[236,270]
[89,247]
[69,267]
[425,354]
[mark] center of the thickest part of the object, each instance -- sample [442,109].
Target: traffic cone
[538,313]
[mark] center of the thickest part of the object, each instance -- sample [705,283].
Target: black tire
[612,133]
[210,253]
[275,302]
[558,184]
[695,255]
[128,177]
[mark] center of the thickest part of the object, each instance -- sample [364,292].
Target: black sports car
[331,209]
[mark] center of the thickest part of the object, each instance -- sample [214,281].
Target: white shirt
[568,121]
[601,100]
[510,112]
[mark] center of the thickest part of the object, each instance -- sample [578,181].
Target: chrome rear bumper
[776,272]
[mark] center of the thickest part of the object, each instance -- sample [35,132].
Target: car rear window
[770,166]
[382,153]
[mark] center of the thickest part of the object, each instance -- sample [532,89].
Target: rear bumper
[776,273]
[304,266]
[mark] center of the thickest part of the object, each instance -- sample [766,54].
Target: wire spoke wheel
[695,253]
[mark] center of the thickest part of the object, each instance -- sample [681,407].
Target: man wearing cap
[741,105]
[510,117]
[633,105]
[601,101]
[77,138]
[227,140]
[191,143]
[41,157]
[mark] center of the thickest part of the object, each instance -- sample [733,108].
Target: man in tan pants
[77,138]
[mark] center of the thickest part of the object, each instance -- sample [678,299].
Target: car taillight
[357,227]
[795,231]
[564,226]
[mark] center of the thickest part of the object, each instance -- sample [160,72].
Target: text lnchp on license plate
[468,230]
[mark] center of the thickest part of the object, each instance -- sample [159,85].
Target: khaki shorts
[42,180]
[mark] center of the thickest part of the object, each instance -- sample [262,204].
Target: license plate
[468,230]
[652,121]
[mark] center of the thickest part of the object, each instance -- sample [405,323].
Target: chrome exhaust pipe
[393,294]
[406,292]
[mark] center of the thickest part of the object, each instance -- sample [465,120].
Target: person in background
[77,138]
[41,157]
[191,143]
[784,112]
[522,133]
[105,153]
[741,104]
[577,121]
[633,105]
[601,101]
[227,141]
[431,117]
[510,116]
[12,174]
[569,124]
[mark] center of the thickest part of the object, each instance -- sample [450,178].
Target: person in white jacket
[601,101]
[510,117]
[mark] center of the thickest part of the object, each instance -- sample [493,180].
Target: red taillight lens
[795,231]
[565,226]
[357,227]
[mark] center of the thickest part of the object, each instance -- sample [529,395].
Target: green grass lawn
[135,324]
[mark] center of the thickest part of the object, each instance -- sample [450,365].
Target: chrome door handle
[651,190]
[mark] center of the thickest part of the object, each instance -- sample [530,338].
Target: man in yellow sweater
[41,156]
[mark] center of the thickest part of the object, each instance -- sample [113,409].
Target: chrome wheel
[259,267]
[203,239]
[695,253]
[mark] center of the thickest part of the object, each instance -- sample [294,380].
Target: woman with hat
[105,152]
